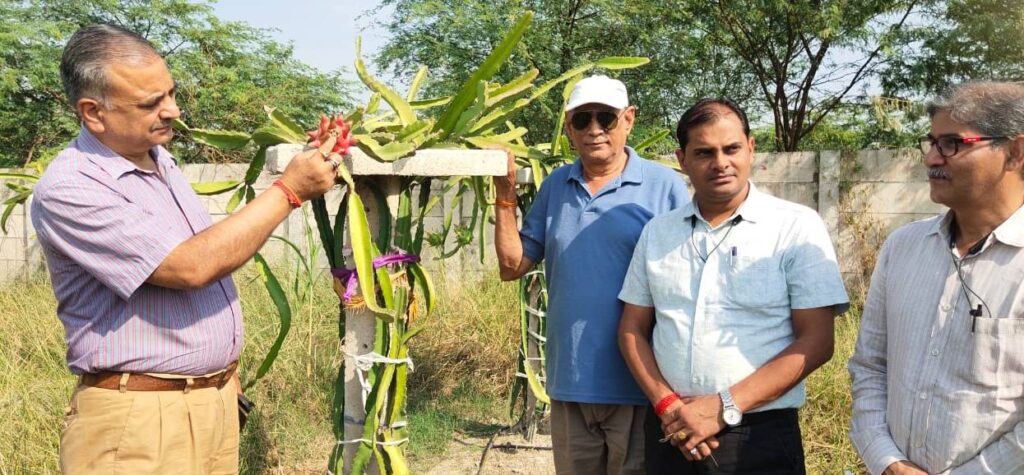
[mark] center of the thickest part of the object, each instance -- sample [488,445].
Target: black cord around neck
[958,264]
[693,230]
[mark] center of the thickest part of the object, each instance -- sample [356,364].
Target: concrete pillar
[360,324]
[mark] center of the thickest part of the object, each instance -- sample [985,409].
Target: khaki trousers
[597,439]
[160,432]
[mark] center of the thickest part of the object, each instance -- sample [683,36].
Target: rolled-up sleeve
[869,429]
[118,242]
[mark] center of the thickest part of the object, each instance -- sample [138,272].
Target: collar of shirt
[752,209]
[1010,232]
[112,162]
[633,173]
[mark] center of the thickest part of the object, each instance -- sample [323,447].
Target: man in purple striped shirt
[141,274]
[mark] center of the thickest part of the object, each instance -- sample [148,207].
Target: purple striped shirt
[104,226]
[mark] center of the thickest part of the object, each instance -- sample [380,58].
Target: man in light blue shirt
[743,287]
[584,224]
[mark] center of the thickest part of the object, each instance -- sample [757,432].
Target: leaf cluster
[225,71]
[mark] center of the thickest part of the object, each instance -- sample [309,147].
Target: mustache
[938,173]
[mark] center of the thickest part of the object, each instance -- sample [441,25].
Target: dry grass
[464,365]
[825,418]
[471,340]
[34,384]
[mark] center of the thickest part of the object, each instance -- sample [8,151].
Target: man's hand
[904,467]
[699,419]
[505,185]
[512,263]
[310,173]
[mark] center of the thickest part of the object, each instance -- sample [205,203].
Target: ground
[509,454]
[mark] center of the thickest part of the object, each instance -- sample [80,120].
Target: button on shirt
[926,386]
[104,226]
[586,242]
[719,321]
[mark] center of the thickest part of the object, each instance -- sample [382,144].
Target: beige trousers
[597,439]
[159,432]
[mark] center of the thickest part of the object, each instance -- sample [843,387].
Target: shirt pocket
[997,354]
[755,282]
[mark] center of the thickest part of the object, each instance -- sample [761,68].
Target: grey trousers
[595,439]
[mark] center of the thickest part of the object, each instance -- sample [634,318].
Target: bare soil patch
[507,454]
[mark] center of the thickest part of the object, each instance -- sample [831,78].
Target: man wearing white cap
[584,224]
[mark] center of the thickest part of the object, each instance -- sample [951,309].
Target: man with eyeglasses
[141,273]
[938,371]
[584,223]
[729,305]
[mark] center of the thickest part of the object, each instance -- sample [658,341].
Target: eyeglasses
[950,145]
[607,120]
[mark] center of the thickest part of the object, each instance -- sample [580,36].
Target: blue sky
[323,32]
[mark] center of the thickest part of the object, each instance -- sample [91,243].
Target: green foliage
[225,72]
[957,41]
[284,313]
[885,123]
[807,57]
[454,36]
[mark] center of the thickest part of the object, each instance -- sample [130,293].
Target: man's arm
[813,329]
[869,428]
[227,245]
[635,344]
[512,262]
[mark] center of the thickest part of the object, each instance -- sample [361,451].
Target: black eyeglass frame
[601,116]
[927,142]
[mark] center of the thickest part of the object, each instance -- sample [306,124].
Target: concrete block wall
[861,196]
[882,190]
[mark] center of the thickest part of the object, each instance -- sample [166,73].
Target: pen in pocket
[732,257]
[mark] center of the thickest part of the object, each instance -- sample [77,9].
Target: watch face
[732,416]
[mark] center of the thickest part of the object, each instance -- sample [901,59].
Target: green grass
[464,366]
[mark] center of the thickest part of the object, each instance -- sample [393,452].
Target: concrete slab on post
[430,162]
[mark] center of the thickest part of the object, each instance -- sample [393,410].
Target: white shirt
[931,383]
[717,322]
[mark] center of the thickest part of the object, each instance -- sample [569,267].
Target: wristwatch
[730,412]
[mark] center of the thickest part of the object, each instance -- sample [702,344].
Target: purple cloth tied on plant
[350,279]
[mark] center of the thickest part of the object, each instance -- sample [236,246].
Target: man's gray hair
[88,53]
[994,109]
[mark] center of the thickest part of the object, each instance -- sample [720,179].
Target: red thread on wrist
[664,403]
[505,204]
[293,199]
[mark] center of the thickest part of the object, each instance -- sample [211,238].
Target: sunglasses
[607,120]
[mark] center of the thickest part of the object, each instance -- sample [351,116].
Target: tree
[451,36]
[226,72]
[807,56]
[957,41]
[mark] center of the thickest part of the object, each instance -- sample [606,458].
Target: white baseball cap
[598,90]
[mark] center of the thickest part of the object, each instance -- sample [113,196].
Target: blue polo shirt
[586,242]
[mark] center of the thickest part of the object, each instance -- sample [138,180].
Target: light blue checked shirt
[717,322]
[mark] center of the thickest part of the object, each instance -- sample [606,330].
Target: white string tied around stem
[364,363]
